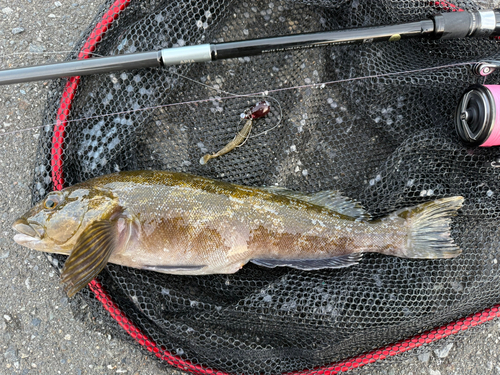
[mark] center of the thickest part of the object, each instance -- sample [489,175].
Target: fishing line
[263,94]
[260,94]
[246,138]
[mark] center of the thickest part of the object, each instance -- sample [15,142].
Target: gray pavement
[38,333]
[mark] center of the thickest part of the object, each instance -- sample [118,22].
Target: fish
[178,223]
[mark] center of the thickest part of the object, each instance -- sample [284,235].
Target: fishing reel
[477,117]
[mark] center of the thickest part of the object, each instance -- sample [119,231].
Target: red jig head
[257,111]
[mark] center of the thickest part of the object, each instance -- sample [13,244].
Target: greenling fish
[183,224]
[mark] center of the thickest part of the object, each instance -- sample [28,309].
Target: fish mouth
[32,235]
[29,233]
[22,226]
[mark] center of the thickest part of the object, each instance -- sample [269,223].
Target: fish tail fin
[429,229]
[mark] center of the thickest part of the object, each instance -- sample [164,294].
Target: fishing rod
[453,25]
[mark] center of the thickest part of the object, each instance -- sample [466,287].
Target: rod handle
[457,25]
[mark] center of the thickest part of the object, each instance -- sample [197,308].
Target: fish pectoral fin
[89,256]
[170,269]
[311,264]
[331,199]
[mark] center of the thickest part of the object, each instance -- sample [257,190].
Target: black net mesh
[384,135]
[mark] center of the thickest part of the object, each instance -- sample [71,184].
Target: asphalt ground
[38,331]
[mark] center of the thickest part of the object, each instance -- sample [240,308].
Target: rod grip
[457,25]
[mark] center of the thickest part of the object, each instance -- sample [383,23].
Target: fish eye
[51,202]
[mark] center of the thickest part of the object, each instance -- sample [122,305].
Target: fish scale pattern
[374,121]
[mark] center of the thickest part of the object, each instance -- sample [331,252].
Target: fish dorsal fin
[331,199]
[92,251]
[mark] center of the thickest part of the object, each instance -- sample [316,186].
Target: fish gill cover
[384,135]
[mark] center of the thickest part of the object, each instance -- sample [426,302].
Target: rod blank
[94,65]
[452,25]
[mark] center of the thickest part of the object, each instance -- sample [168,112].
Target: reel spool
[476,118]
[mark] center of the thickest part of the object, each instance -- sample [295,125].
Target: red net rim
[114,310]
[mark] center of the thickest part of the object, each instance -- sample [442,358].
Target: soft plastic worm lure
[257,111]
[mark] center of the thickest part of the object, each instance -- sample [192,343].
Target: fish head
[54,224]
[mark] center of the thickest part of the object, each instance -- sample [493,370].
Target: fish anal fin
[90,254]
[171,269]
[340,261]
[331,199]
